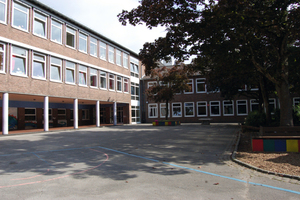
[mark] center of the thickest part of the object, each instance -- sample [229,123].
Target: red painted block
[257,145]
[170,123]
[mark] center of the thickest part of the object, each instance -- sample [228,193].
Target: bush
[256,119]
[296,115]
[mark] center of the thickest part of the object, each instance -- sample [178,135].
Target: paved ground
[133,162]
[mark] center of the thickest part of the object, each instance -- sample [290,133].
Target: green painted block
[292,146]
[269,145]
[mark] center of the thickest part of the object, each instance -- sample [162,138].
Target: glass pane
[18,65]
[82,78]
[39,28]
[82,68]
[70,40]
[61,112]
[70,65]
[1,62]
[19,51]
[103,82]
[20,19]
[82,45]
[201,111]
[55,73]
[29,111]
[29,118]
[56,33]
[215,110]
[56,61]
[20,7]
[2,12]
[38,70]
[38,57]
[242,109]
[70,76]
[93,79]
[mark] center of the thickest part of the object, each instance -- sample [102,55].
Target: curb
[233,158]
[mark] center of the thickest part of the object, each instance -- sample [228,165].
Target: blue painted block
[280,145]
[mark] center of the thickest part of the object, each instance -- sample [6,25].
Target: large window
[135,114]
[241,106]
[111,54]
[254,105]
[39,66]
[152,110]
[200,85]
[126,85]
[56,31]
[296,101]
[70,72]
[55,69]
[118,57]
[135,91]
[82,42]
[119,83]
[93,77]
[20,16]
[215,109]
[19,61]
[82,76]
[30,114]
[103,80]
[134,69]
[191,87]
[111,80]
[125,60]
[40,24]
[176,110]
[189,109]
[102,50]
[93,46]
[3,4]
[2,58]
[202,109]
[163,110]
[228,108]
[70,37]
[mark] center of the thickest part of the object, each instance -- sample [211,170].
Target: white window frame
[192,82]
[205,106]
[93,43]
[83,38]
[70,68]
[118,57]
[111,77]
[237,107]
[103,77]
[230,103]
[103,50]
[125,60]
[253,102]
[19,56]
[36,18]
[126,83]
[3,57]
[134,88]
[82,70]
[180,106]
[5,11]
[210,105]
[27,15]
[201,81]
[185,106]
[39,61]
[119,83]
[155,107]
[163,106]
[296,101]
[134,70]
[87,114]
[56,65]
[111,54]
[57,27]
[71,31]
[93,72]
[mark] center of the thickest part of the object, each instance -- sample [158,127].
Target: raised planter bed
[276,143]
[166,123]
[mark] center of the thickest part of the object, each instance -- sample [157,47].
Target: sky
[101,16]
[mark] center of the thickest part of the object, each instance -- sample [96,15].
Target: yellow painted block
[154,123]
[292,145]
[167,123]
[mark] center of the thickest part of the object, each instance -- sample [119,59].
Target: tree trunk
[286,112]
[265,99]
[167,109]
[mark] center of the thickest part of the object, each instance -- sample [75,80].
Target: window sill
[20,29]
[43,37]
[38,78]
[20,75]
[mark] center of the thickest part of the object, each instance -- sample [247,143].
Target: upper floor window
[191,87]
[228,108]
[2,58]
[102,50]
[134,69]
[20,16]
[82,42]
[111,82]
[202,109]
[93,77]
[254,105]
[135,91]
[125,60]
[70,72]
[3,4]
[82,75]
[103,80]
[93,46]
[111,54]
[70,37]
[39,66]
[241,107]
[40,25]
[200,85]
[176,110]
[118,57]
[55,69]
[152,110]
[119,83]
[19,61]
[56,31]
[126,85]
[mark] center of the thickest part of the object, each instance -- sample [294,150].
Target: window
[135,114]
[241,107]
[93,46]
[3,11]
[70,72]
[19,61]
[2,58]
[126,85]
[215,108]
[135,91]
[272,105]
[176,110]
[70,37]
[82,75]
[20,16]
[111,54]
[102,50]
[202,109]
[200,85]
[39,66]
[254,105]
[189,109]
[134,69]
[296,101]
[30,114]
[93,77]
[152,110]
[55,70]
[56,31]
[118,57]
[103,80]
[191,87]
[151,84]
[228,108]
[163,110]
[82,42]
[61,114]
[111,80]
[119,83]
[40,25]
[125,60]
[85,114]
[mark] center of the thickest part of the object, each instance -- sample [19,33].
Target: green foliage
[296,115]
[256,119]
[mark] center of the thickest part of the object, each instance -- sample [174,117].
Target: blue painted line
[43,160]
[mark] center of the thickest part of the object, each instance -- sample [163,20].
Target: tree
[260,31]
[169,81]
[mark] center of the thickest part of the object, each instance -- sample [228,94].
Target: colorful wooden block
[257,144]
[292,146]
[280,145]
[269,145]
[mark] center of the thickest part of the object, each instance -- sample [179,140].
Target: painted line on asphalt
[43,160]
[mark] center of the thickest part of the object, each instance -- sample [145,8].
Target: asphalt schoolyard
[133,162]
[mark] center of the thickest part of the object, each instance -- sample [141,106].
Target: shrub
[256,118]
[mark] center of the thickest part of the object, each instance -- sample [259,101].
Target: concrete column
[98,114]
[115,113]
[46,113]
[5,108]
[75,114]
